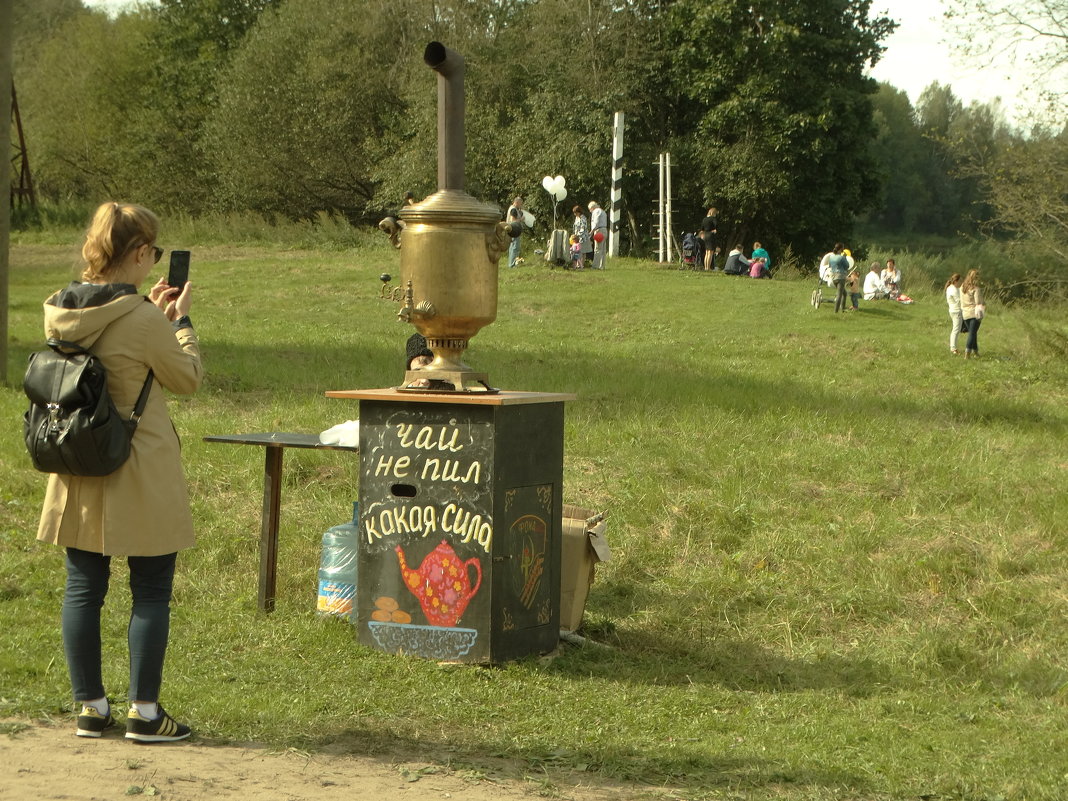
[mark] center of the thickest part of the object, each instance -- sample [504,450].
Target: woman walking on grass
[839,264]
[141,511]
[955,316]
[973,309]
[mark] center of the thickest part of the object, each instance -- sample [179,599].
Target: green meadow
[840,554]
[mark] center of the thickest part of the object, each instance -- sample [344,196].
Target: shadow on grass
[732,664]
[686,768]
[260,371]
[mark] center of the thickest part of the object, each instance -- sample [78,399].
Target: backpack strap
[63,347]
[142,399]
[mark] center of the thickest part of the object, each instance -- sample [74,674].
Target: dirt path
[48,762]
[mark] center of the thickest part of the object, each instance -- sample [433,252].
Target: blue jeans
[513,251]
[151,579]
[972,327]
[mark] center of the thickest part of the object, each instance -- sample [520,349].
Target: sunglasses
[158,254]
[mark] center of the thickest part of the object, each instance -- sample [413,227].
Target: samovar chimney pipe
[449,66]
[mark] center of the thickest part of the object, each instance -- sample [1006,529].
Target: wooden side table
[273,443]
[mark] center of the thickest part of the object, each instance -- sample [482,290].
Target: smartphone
[178,273]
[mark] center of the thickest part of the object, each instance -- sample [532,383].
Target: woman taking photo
[141,511]
[953,302]
[973,309]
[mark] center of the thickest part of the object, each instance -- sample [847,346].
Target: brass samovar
[450,249]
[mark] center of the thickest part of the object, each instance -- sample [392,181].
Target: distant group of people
[588,237]
[701,251]
[838,269]
[882,282]
[757,265]
[964,296]
[588,240]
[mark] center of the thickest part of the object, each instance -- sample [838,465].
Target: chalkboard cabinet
[460,523]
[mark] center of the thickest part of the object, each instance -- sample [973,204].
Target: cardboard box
[583,546]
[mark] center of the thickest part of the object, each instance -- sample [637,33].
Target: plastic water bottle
[337,567]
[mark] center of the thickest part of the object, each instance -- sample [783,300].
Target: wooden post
[667,207]
[660,209]
[5,176]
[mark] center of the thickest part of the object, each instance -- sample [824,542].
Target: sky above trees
[925,48]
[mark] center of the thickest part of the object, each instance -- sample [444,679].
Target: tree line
[294,108]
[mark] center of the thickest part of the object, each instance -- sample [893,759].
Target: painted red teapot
[442,583]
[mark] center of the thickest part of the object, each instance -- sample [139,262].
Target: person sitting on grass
[760,252]
[891,278]
[736,263]
[874,289]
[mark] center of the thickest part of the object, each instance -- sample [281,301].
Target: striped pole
[617,184]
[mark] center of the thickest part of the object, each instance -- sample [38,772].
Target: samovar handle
[497,242]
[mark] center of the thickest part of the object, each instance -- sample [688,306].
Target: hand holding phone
[178,273]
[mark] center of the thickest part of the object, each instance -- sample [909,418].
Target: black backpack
[72,426]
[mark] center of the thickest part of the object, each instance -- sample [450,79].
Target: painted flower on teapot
[442,583]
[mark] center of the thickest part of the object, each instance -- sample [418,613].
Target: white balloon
[560,182]
[559,195]
[547,183]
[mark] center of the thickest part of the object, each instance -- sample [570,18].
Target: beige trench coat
[142,509]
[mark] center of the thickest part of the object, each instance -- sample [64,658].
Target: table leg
[272,496]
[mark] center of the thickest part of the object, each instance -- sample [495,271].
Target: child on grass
[576,252]
[853,287]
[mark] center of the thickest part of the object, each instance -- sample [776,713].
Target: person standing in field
[973,310]
[839,272]
[709,229]
[141,511]
[514,214]
[598,225]
[955,315]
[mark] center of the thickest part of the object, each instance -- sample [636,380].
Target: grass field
[839,553]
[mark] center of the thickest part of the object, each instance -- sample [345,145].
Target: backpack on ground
[72,426]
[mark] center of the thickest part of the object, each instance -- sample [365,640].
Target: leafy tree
[190,45]
[303,106]
[1024,177]
[938,111]
[901,152]
[79,100]
[786,118]
[36,21]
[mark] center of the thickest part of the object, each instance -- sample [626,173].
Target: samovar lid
[450,206]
